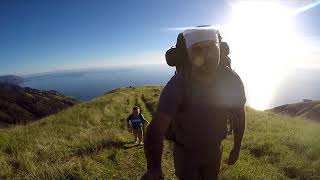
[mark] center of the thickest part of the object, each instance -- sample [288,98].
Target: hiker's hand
[152,175]
[233,156]
[129,129]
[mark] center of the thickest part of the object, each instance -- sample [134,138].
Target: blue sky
[40,36]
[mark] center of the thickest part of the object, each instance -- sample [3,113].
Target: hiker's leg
[211,170]
[184,169]
[140,135]
[135,133]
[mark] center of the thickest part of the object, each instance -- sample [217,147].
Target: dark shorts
[189,167]
[137,130]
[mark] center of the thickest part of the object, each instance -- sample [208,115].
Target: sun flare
[261,37]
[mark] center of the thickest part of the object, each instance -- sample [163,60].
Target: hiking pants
[189,167]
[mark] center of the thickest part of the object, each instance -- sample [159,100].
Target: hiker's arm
[128,122]
[239,121]
[154,141]
[168,105]
[144,124]
[128,125]
[238,113]
[145,121]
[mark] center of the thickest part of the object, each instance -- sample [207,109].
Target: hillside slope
[11,79]
[306,109]
[21,105]
[90,141]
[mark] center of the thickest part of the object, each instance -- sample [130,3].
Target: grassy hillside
[306,109]
[90,141]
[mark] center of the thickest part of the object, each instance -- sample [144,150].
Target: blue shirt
[136,121]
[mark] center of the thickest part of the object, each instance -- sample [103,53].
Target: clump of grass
[90,141]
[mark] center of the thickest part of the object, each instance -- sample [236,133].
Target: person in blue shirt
[136,123]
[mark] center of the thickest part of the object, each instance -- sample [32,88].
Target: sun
[261,37]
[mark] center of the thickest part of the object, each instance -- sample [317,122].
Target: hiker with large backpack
[136,123]
[194,107]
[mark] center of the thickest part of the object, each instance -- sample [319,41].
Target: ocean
[87,84]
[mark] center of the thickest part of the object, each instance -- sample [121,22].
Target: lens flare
[264,46]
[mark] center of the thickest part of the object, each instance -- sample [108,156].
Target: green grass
[90,141]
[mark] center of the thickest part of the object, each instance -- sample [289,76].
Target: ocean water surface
[87,84]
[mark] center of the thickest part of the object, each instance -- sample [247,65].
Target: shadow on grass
[291,172]
[95,148]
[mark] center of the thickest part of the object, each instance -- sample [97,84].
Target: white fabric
[193,36]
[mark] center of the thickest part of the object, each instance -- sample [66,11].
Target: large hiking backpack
[177,57]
